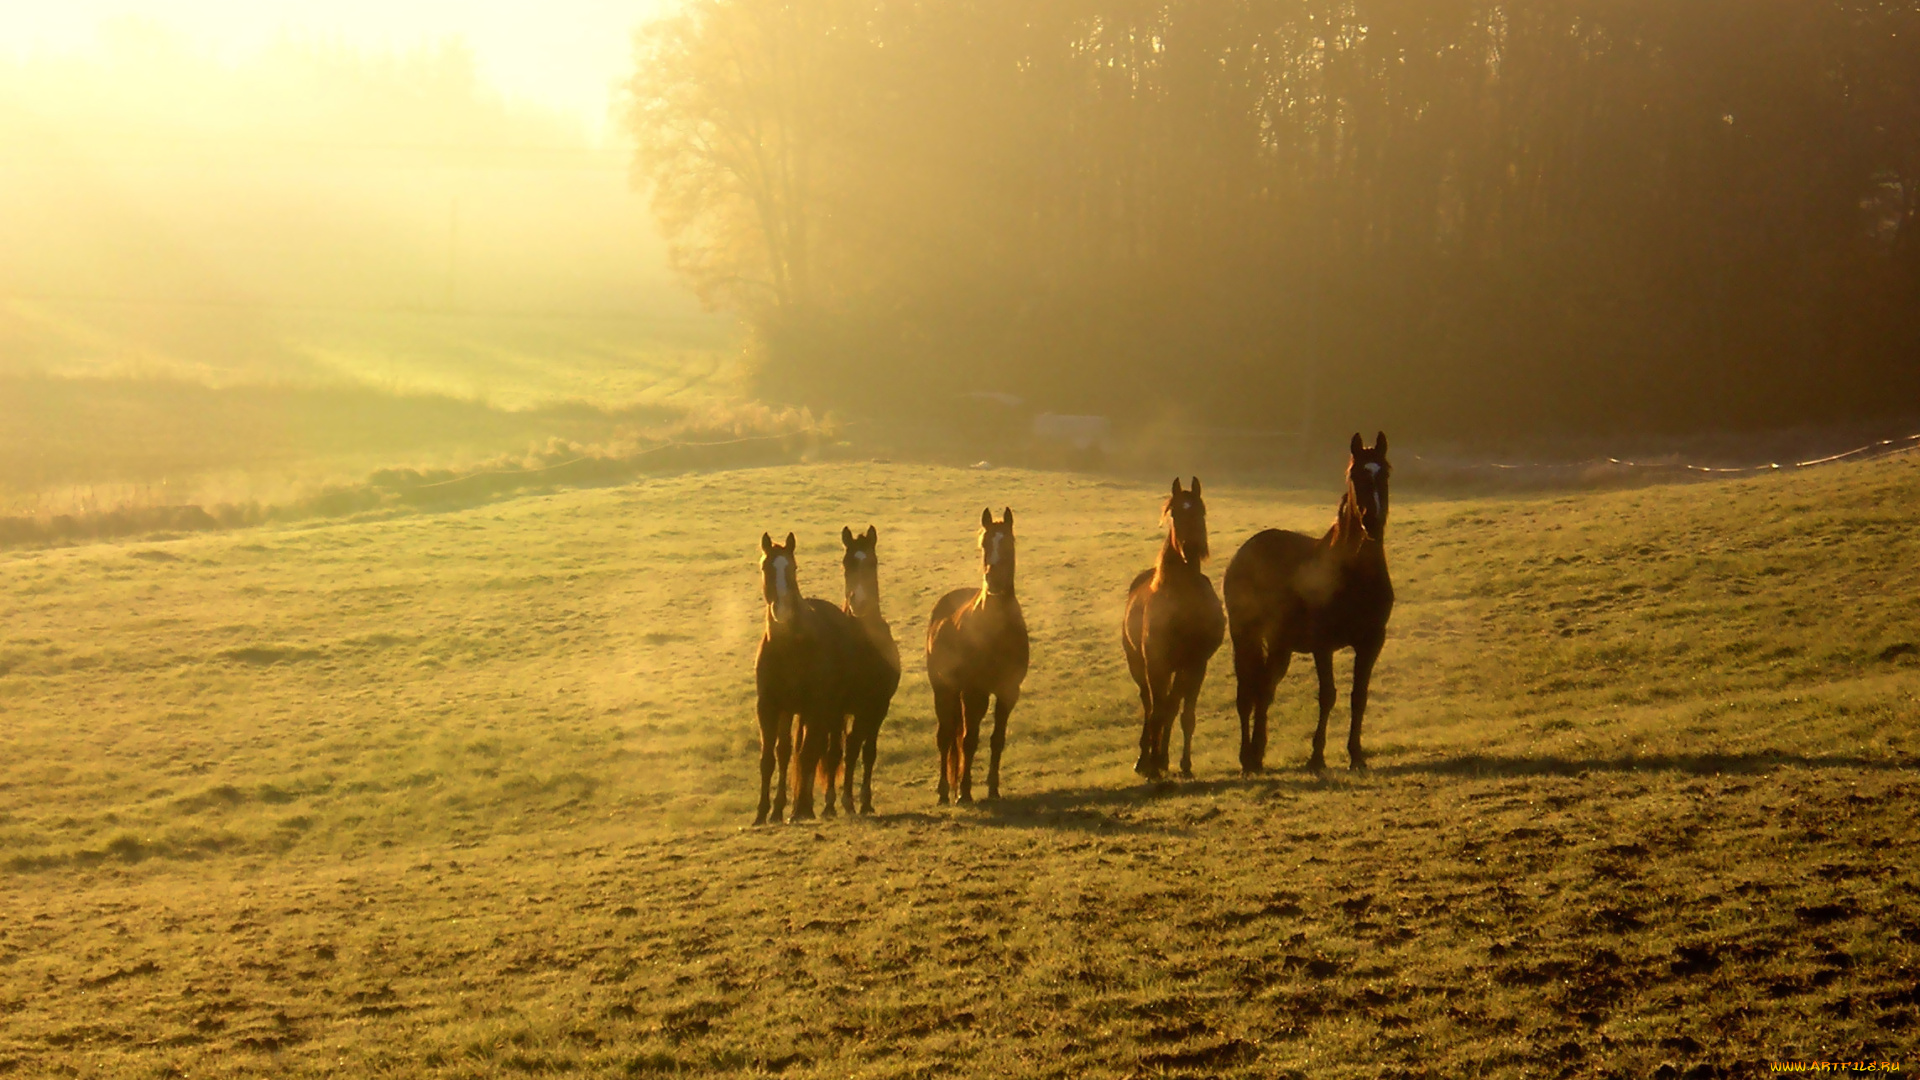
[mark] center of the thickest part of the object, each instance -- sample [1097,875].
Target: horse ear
[873,535]
[1176,485]
[846,536]
[1380,443]
[1356,445]
[1196,486]
[766,544]
[1006,517]
[986,517]
[789,541]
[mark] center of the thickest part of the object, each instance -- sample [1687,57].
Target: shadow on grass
[1475,765]
[1108,809]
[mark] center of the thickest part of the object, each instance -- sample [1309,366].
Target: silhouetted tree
[1449,215]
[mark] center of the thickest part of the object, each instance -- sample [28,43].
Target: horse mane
[1347,531]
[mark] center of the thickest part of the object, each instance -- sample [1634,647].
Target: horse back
[1289,589]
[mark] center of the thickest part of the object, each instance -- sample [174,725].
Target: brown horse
[878,674]
[977,646]
[1288,593]
[802,673]
[1173,626]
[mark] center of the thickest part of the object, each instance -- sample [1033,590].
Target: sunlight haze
[566,55]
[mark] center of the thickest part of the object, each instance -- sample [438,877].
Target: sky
[563,54]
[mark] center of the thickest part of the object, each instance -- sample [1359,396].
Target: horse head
[779,580]
[1367,475]
[1186,516]
[996,551]
[862,566]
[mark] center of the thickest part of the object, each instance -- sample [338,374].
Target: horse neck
[794,627]
[986,586]
[871,617]
[994,601]
[1171,563]
[1349,536]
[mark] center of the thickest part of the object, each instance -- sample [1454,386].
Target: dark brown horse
[802,674]
[878,674]
[977,646]
[1289,593]
[1173,626]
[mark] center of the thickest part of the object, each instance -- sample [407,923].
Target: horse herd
[826,674]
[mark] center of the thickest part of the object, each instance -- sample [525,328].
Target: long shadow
[1472,765]
[1094,809]
[1100,809]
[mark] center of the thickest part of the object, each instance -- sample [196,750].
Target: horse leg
[1159,701]
[946,708]
[1003,703]
[1277,663]
[813,736]
[851,758]
[1322,666]
[783,750]
[1363,657]
[833,746]
[769,735]
[973,710]
[869,746]
[1137,667]
[1249,672]
[1187,690]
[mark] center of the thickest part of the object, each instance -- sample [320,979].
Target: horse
[1289,593]
[977,646]
[878,674]
[1172,627]
[801,672]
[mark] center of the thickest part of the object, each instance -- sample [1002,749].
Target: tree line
[1450,216]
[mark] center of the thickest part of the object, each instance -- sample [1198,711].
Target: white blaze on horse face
[1373,470]
[857,588]
[995,551]
[782,591]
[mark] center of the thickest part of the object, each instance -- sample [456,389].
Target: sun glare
[565,55]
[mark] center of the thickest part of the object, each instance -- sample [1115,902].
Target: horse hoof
[1317,765]
[1357,763]
[867,809]
[762,819]
[1186,770]
[966,800]
[944,801]
[830,811]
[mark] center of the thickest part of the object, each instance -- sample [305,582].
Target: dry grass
[462,794]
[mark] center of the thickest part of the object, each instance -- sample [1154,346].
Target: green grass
[464,794]
[106,406]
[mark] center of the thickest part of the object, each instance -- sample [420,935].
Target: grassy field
[465,794]
[107,406]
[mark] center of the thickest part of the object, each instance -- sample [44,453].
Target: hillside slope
[462,794]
